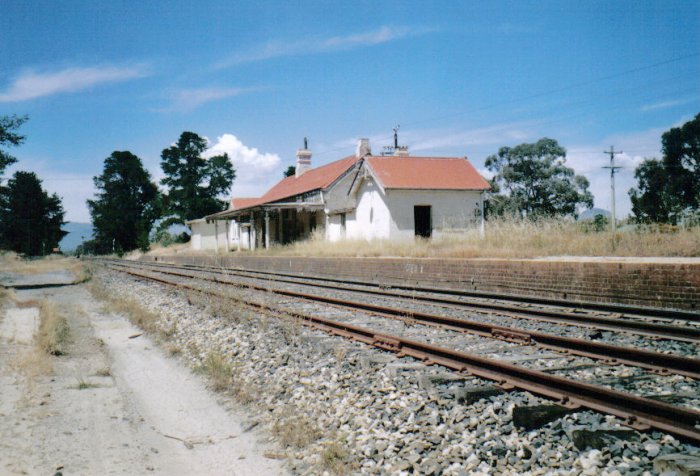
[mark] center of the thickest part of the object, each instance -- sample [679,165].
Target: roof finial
[396,136]
[306,143]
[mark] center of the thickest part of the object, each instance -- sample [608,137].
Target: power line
[534,96]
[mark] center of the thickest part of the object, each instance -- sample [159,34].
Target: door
[421,219]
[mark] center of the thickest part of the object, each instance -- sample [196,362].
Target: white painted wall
[203,237]
[451,210]
[244,237]
[334,230]
[336,198]
[371,218]
[389,214]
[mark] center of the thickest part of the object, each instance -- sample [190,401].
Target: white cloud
[465,141]
[31,84]
[499,134]
[315,45]
[668,104]
[255,171]
[188,99]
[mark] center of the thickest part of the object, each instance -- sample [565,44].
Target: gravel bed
[668,346]
[364,411]
[269,280]
[619,377]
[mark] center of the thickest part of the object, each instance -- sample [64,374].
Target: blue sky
[461,78]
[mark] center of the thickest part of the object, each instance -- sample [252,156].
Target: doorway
[421,218]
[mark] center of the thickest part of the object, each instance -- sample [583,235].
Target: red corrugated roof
[243,202]
[312,179]
[435,173]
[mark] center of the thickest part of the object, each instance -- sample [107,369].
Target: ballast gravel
[337,406]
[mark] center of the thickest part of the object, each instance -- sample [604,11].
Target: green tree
[531,180]
[193,182]
[669,188]
[31,218]
[126,204]
[8,136]
[290,172]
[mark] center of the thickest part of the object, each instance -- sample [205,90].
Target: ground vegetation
[517,238]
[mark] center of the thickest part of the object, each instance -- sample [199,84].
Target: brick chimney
[363,148]
[303,159]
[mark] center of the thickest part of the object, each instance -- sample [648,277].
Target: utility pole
[613,168]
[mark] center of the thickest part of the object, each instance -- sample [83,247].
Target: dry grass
[84,385]
[294,429]
[53,329]
[12,263]
[131,308]
[5,297]
[32,363]
[513,239]
[335,458]
[219,370]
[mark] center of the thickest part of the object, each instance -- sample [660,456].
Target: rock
[591,460]
[473,394]
[599,439]
[682,464]
[652,449]
[536,416]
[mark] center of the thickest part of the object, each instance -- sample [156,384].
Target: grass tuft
[84,385]
[53,329]
[131,308]
[335,458]
[508,238]
[294,429]
[219,371]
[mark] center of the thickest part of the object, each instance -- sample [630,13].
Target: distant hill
[77,233]
[590,214]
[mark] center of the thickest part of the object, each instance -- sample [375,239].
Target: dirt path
[112,404]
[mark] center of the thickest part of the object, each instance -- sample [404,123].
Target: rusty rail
[637,412]
[609,354]
[633,311]
[682,333]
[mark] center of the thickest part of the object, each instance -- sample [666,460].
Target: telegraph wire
[537,95]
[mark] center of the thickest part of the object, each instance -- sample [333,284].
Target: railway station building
[363,196]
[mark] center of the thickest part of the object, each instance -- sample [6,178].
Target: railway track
[638,412]
[683,326]
[442,295]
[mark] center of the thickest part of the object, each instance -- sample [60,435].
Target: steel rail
[637,412]
[606,353]
[681,333]
[684,333]
[641,311]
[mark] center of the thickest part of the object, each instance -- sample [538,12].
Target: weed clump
[219,371]
[335,458]
[131,308]
[53,329]
[295,429]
